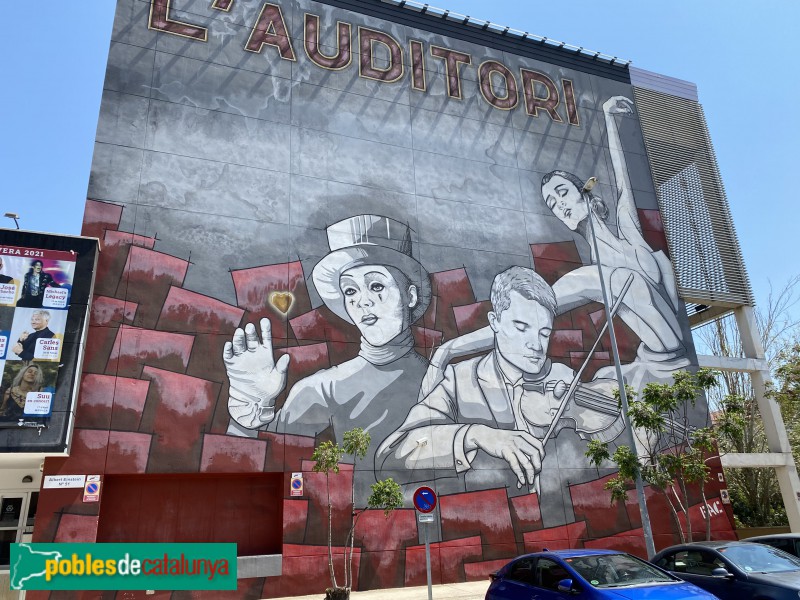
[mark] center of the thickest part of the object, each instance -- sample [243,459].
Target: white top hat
[368,240]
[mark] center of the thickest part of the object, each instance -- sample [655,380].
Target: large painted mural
[313,220]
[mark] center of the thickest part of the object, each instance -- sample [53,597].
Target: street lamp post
[645,515]
[14,216]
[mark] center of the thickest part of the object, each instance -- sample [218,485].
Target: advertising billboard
[317,216]
[34,299]
[43,308]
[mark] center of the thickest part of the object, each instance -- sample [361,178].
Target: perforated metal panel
[705,251]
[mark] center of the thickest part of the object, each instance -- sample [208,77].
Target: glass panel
[7,538]
[673,562]
[550,573]
[10,510]
[522,571]
[32,504]
[702,563]
[616,570]
[761,559]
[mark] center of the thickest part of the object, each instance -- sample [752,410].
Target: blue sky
[741,55]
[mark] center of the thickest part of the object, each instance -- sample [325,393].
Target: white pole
[428,561]
[645,515]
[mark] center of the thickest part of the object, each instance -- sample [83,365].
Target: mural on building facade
[314,219]
[483,423]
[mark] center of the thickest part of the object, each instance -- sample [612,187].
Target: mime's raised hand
[256,379]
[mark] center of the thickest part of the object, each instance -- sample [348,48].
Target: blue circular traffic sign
[425,499]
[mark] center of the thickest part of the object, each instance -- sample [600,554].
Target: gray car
[734,570]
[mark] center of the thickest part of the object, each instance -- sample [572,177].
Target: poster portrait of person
[24,378]
[6,321]
[9,281]
[370,280]
[34,283]
[4,277]
[21,378]
[29,327]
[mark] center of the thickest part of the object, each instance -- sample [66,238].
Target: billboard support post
[645,515]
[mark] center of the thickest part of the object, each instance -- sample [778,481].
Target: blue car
[588,574]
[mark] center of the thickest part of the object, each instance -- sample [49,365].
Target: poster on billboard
[38,312]
[35,288]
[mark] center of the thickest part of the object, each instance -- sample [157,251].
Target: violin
[589,412]
[592,413]
[581,406]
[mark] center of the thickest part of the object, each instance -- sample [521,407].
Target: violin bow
[576,380]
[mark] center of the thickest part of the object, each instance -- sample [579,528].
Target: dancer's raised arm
[627,218]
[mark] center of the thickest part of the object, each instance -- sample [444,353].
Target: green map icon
[27,564]
[115,566]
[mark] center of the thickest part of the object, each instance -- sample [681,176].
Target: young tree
[755,495]
[355,443]
[670,455]
[327,456]
[385,495]
[786,392]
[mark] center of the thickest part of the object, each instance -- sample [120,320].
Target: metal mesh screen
[702,241]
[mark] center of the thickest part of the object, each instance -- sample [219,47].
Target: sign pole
[428,561]
[425,502]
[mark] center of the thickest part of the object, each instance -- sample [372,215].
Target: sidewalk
[473,590]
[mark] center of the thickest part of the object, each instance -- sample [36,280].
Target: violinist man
[482,426]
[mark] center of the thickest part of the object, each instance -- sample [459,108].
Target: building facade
[315,216]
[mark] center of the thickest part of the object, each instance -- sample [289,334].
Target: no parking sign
[425,499]
[296,486]
[91,490]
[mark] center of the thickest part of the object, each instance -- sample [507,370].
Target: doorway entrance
[17,512]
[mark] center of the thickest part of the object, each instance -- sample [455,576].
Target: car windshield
[757,558]
[616,570]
